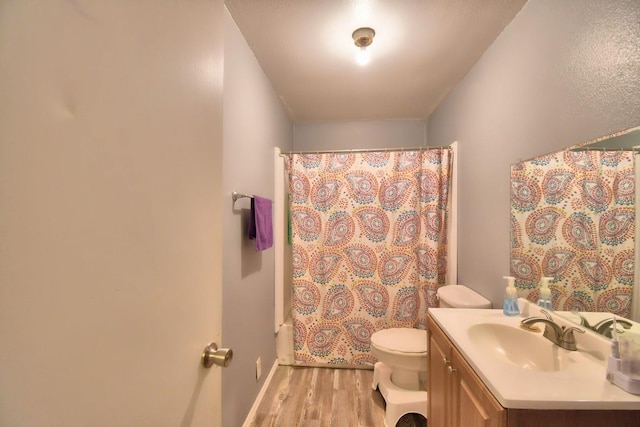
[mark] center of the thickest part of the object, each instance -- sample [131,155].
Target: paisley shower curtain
[573,219]
[369,247]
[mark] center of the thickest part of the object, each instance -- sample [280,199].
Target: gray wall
[255,122]
[360,134]
[562,72]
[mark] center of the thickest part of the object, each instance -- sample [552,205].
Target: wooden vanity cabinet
[457,396]
[438,383]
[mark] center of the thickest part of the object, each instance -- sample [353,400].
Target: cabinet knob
[446,361]
[451,369]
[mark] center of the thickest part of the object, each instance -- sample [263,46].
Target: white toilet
[405,351]
[401,371]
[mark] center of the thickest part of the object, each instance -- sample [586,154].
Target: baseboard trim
[256,403]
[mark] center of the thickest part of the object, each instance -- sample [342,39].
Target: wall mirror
[573,219]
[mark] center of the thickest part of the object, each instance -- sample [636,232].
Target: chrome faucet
[605,327]
[559,335]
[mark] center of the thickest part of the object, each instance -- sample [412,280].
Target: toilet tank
[459,296]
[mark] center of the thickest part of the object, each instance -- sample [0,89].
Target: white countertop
[581,385]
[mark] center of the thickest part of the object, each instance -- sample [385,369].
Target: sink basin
[527,350]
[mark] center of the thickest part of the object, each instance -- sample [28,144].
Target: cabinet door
[473,404]
[439,357]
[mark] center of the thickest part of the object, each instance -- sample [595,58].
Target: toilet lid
[462,297]
[404,340]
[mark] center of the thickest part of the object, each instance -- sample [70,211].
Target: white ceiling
[422,48]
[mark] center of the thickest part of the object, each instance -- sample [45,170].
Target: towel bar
[235,196]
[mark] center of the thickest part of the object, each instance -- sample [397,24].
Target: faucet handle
[546,314]
[583,320]
[568,340]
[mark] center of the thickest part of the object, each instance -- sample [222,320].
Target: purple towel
[260,223]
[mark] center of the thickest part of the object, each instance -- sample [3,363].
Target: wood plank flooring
[319,397]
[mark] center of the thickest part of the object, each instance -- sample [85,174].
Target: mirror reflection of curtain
[573,219]
[369,247]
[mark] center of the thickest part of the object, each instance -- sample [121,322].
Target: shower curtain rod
[366,150]
[634,149]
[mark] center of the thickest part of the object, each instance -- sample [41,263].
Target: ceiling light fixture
[363,37]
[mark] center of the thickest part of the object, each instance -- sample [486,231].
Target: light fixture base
[363,37]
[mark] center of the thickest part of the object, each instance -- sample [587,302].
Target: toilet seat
[401,340]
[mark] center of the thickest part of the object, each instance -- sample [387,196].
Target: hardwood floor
[319,397]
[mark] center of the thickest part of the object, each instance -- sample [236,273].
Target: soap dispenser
[510,306]
[544,300]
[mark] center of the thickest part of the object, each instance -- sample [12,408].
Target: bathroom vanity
[457,396]
[486,371]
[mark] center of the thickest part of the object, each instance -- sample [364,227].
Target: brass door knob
[214,355]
